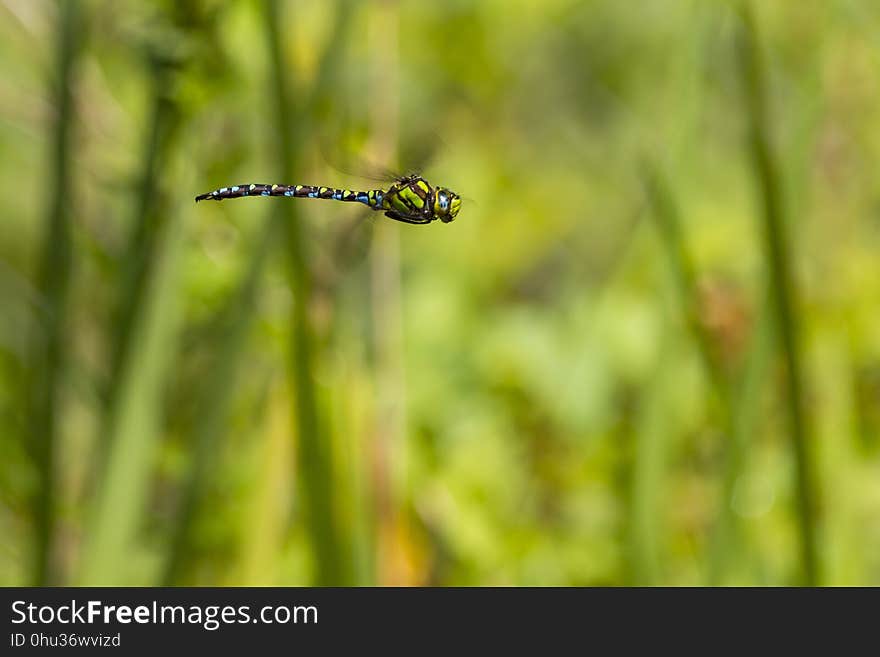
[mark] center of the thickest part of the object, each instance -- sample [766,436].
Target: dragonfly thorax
[413,199]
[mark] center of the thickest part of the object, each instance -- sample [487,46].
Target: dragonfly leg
[408,220]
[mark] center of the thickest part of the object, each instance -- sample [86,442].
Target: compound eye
[444,200]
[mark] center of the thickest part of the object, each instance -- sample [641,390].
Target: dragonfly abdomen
[372,198]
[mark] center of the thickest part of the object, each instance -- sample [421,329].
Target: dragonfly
[410,199]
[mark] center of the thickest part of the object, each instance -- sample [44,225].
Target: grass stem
[314,454]
[782,289]
[54,283]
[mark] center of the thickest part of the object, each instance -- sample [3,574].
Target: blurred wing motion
[410,199]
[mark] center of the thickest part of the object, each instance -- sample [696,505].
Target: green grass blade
[140,250]
[667,215]
[214,403]
[136,425]
[145,331]
[769,182]
[54,281]
[314,455]
[388,444]
[648,477]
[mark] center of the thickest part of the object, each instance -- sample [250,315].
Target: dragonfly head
[446,204]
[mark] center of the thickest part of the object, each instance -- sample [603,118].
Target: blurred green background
[647,351]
